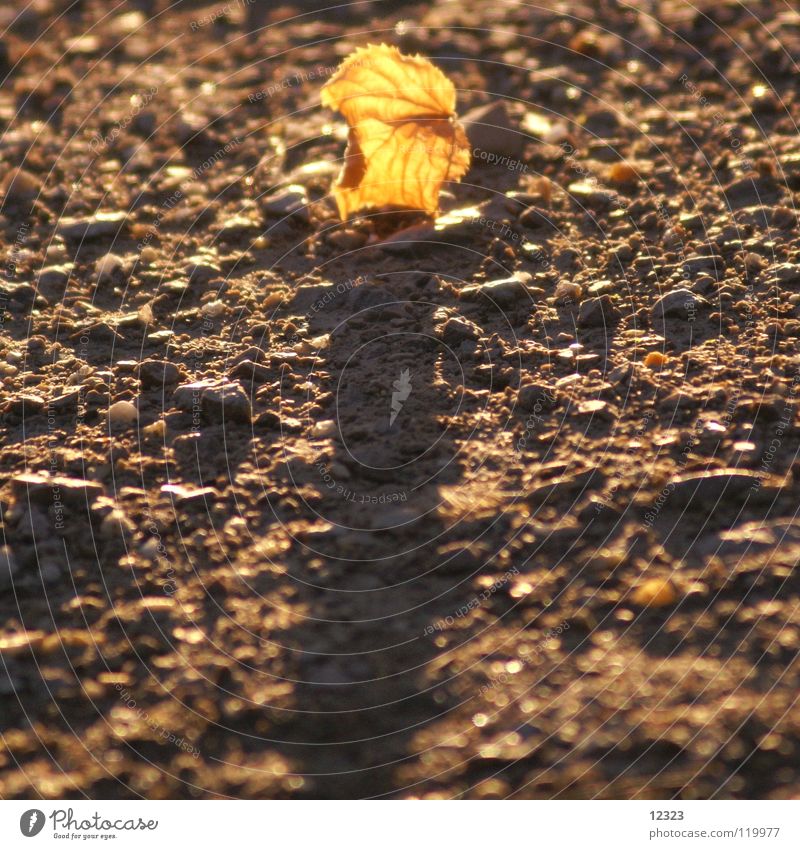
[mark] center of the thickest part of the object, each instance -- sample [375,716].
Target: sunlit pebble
[655,592]
[714,427]
[655,360]
[569,731]
[567,289]
[536,124]
[148,255]
[493,789]
[665,439]
[401,27]
[572,93]
[521,589]
[770,742]
[122,413]
[208,88]
[622,172]
[193,636]
[705,748]
[753,262]
[149,549]
[594,406]
[479,720]
[213,309]
[324,428]
[513,666]
[759,90]
[56,251]
[157,430]
[145,313]
[12,644]
[586,43]
[744,447]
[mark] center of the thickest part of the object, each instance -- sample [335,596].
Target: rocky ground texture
[503,505]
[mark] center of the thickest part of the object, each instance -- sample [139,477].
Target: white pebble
[148,255]
[213,309]
[79,375]
[324,428]
[107,265]
[122,413]
[149,549]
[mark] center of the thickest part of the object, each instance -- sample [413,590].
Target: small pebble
[622,172]
[753,262]
[347,240]
[20,185]
[107,265]
[122,413]
[324,428]
[20,642]
[655,592]
[226,403]
[92,227]
[155,431]
[148,255]
[213,309]
[158,373]
[655,360]
[566,291]
[681,303]
[597,312]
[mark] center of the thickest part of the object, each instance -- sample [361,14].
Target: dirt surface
[500,506]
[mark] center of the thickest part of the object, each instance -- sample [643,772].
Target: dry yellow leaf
[405,139]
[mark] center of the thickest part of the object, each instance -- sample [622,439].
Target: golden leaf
[404,139]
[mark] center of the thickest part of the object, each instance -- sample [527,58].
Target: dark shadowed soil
[500,506]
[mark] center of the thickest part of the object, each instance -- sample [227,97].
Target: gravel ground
[501,505]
